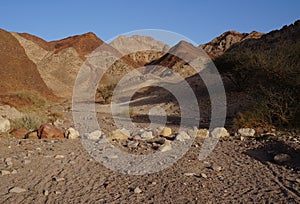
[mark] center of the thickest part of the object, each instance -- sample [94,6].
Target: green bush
[30,121]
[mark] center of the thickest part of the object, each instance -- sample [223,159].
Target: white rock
[189,174]
[202,133]
[71,133]
[137,190]
[147,135]
[59,156]
[282,158]
[14,171]
[182,136]
[166,147]
[246,132]
[204,175]
[46,192]
[219,132]
[96,135]
[4,124]
[4,172]
[26,161]
[17,190]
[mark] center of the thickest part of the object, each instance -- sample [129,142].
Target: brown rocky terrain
[220,44]
[247,166]
[17,71]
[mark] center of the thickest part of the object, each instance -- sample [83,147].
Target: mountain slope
[220,44]
[17,71]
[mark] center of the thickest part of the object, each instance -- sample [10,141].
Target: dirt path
[64,170]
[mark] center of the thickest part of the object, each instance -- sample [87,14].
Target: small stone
[298,180]
[72,162]
[166,147]
[46,192]
[282,158]
[58,179]
[14,171]
[202,133]
[137,137]
[182,136]
[137,190]
[132,144]
[189,174]
[9,163]
[59,156]
[26,162]
[57,192]
[147,135]
[17,190]
[96,135]
[203,175]
[166,132]
[71,133]
[4,172]
[120,134]
[246,132]
[219,132]
[216,168]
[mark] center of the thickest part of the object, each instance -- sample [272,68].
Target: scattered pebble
[4,172]
[203,175]
[189,174]
[17,190]
[57,192]
[27,162]
[282,158]
[137,190]
[216,168]
[58,179]
[46,192]
[14,171]
[59,156]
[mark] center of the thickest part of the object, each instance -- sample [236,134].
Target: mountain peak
[220,44]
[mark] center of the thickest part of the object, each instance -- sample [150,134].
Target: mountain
[131,44]
[141,49]
[58,62]
[220,44]
[17,71]
[178,59]
[268,71]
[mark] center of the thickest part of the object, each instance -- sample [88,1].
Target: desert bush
[35,100]
[106,92]
[270,75]
[30,121]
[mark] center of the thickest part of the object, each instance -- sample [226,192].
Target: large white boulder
[246,132]
[4,124]
[219,132]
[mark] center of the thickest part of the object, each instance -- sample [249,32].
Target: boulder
[219,132]
[166,132]
[166,147]
[202,133]
[147,135]
[19,133]
[47,131]
[246,132]
[71,133]
[182,136]
[122,134]
[4,124]
[32,135]
[96,135]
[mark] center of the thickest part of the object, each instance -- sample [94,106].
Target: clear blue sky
[198,20]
